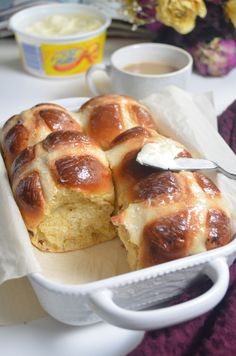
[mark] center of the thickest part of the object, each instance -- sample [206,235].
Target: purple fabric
[213,333]
[227,125]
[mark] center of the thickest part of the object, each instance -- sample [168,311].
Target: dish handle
[102,303]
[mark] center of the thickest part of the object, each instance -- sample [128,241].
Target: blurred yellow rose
[230,10]
[180,14]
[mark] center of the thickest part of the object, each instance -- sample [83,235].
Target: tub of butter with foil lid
[60,40]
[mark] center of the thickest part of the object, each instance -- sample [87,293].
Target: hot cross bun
[172,215]
[63,187]
[163,215]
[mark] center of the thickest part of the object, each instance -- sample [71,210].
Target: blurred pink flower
[215,58]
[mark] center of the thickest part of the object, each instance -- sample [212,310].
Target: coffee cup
[142,69]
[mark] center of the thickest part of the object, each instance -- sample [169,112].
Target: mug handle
[103,304]
[106,68]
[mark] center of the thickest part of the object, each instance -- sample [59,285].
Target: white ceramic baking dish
[118,300]
[121,300]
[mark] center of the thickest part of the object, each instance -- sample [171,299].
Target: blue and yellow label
[72,58]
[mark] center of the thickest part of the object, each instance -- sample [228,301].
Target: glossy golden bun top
[105,117]
[32,126]
[122,157]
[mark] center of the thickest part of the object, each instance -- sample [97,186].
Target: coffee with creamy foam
[149,68]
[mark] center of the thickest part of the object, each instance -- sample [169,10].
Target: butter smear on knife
[160,154]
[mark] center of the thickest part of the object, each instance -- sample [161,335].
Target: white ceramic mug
[142,85]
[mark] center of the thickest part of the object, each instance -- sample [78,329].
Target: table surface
[19,91]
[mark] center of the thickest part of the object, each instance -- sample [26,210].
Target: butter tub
[52,56]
